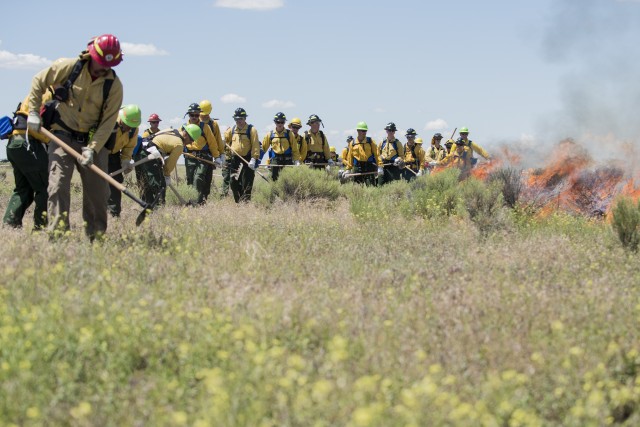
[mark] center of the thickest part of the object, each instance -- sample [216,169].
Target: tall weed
[626,223]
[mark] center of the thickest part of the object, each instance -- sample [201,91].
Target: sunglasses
[280,123]
[194,115]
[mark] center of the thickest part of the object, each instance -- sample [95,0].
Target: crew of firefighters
[104,135]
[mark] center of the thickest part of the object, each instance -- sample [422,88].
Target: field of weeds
[408,305]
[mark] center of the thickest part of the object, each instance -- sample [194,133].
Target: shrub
[436,195]
[483,203]
[300,184]
[626,223]
[378,203]
[510,180]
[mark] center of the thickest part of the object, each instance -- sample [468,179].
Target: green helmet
[362,126]
[130,115]
[464,129]
[194,131]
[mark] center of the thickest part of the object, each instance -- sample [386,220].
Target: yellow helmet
[332,149]
[419,141]
[205,106]
[296,122]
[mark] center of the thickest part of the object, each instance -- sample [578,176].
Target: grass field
[358,311]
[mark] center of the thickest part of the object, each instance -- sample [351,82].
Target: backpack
[249,127]
[307,137]
[395,147]
[49,111]
[273,136]
[6,127]
[372,157]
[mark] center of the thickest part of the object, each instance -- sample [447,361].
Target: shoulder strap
[75,72]
[249,131]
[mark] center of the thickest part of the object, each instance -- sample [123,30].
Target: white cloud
[232,98]
[250,4]
[22,60]
[436,124]
[276,103]
[142,49]
[379,110]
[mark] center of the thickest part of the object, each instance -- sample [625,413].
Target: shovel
[146,207]
[247,163]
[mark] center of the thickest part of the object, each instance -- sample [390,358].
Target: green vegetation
[626,223]
[394,307]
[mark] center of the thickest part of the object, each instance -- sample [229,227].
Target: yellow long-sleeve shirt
[170,145]
[24,112]
[414,157]
[206,139]
[302,146]
[345,153]
[435,154]
[125,145]
[147,133]
[216,131]
[362,152]
[474,147]
[82,110]
[317,143]
[390,149]
[241,143]
[457,159]
[280,142]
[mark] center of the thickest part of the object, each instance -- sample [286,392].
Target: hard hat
[411,132]
[239,113]
[332,149]
[464,129]
[105,50]
[437,135]
[194,131]
[205,106]
[296,122]
[391,126]
[313,118]
[279,117]
[362,126]
[154,118]
[449,143]
[419,141]
[130,115]
[194,108]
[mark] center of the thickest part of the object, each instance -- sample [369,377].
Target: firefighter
[84,119]
[295,125]
[156,174]
[363,158]
[154,123]
[318,154]
[205,148]
[243,141]
[345,151]
[473,147]
[460,158]
[29,161]
[413,156]
[125,138]
[391,155]
[284,148]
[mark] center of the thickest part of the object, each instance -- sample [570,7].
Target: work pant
[202,177]
[391,173]
[115,198]
[226,176]
[241,186]
[316,160]
[95,190]
[190,166]
[151,181]
[365,167]
[281,160]
[408,173]
[30,172]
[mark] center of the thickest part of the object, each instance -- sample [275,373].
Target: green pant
[226,177]
[202,177]
[30,171]
[190,166]
[115,198]
[391,173]
[279,159]
[365,167]
[151,180]
[242,185]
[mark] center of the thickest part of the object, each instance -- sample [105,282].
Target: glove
[252,164]
[297,163]
[397,161]
[87,156]
[154,153]
[380,171]
[331,162]
[223,158]
[34,122]
[167,180]
[127,165]
[419,173]
[219,161]
[432,164]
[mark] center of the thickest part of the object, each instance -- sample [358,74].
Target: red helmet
[105,50]
[154,118]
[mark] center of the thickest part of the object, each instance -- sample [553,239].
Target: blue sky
[519,72]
